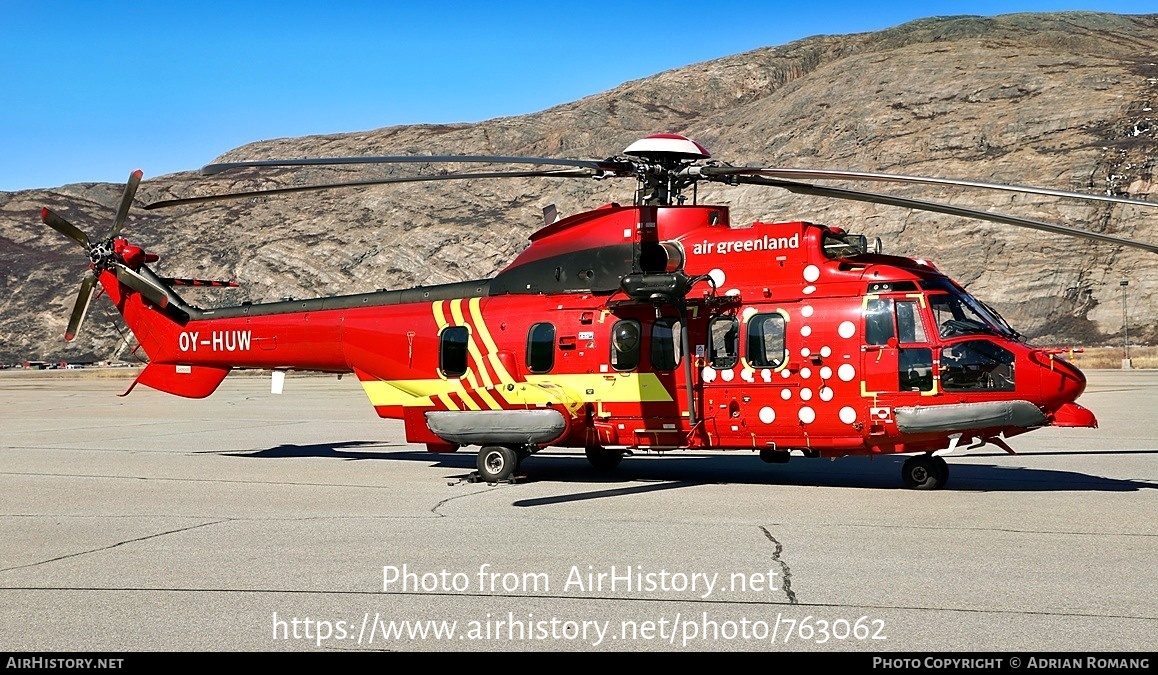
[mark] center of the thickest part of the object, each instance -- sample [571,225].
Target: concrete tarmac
[249,521]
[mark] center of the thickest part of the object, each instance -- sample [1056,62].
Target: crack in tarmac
[434,509]
[111,546]
[785,572]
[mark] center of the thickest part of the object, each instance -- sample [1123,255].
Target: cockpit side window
[878,321]
[915,368]
[910,328]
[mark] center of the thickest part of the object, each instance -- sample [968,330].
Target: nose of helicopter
[1061,384]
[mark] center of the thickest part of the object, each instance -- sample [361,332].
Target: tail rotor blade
[126,203]
[80,309]
[152,292]
[64,227]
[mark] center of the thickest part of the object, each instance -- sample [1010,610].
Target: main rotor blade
[832,174]
[921,205]
[80,309]
[380,181]
[152,292]
[64,227]
[607,165]
[126,203]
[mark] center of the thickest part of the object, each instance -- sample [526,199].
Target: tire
[603,459]
[770,456]
[944,466]
[497,463]
[924,472]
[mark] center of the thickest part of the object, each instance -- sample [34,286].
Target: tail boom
[190,355]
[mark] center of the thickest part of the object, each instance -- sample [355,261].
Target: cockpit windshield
[958,313]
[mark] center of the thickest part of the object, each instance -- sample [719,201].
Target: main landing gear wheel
[925,472]
[603,459]
[497,463]
[770,456]
[944,466]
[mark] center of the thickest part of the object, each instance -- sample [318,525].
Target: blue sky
[92,90]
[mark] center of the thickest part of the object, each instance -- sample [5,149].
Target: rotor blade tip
[44,213]
[137,174]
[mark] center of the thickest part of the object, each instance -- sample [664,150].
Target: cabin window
[976,365]
[452,350]
[541,348]
[766,340]
[625,345]
[878,321]
[724,333]
[665,344]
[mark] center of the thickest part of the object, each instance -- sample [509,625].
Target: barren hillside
[1057,100]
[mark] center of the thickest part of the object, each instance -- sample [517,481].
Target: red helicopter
[651,327]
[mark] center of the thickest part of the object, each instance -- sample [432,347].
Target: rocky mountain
[1057,100]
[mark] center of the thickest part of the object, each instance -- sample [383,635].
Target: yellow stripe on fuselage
[610,388]
[569,390]
[538,390]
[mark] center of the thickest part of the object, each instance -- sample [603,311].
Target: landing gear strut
[925,472]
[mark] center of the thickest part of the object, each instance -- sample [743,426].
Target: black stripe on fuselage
[462,289]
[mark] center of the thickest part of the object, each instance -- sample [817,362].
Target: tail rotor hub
[102,256]
[112,254]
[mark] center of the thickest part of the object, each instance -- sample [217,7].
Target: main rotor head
[661,165]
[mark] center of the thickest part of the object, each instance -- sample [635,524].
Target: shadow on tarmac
[685,469]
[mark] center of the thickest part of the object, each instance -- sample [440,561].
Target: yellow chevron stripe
[476,355]
[485,395]
[475,306]
[455,384]
[471,345]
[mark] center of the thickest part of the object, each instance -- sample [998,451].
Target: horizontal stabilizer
[183,380]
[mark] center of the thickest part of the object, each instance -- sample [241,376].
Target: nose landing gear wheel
[497,463]
[925,472]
